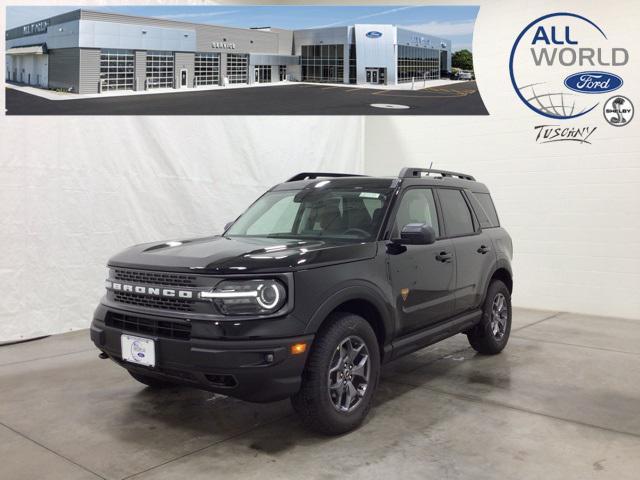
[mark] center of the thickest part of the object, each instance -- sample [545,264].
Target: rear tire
[151,381]
[341,376]
[491,335]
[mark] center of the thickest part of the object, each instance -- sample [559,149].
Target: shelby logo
[373,34]
[557,133]
[618,111]
[593,82]
[144,290]
[544,60]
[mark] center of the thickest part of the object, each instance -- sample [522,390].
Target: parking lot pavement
[298,99]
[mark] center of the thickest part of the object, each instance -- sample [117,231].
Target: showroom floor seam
[550,317]
[493,403]
[67,459]
[577,345]
[217,442]
[46,358]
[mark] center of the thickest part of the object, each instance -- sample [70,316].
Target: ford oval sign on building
[374,34]
[593,82]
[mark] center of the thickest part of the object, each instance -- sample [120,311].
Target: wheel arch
[501,271]
[359,300]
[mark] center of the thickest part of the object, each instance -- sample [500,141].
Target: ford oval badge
[593,82]
[374,34]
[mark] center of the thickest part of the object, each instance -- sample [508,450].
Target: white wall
[74,191]
[572,209]
[573,215]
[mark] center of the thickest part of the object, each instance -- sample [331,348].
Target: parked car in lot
[465,75]
[321,281]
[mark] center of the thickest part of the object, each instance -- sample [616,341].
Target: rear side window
[489,209]
[456,213]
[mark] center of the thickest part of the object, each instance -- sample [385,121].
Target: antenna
[430,167]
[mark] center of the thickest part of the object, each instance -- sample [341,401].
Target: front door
[183,77]
[422,276]
[372,76]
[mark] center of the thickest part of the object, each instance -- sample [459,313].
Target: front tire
[491,335]
[341,376]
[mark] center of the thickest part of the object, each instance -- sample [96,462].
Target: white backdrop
[74,191]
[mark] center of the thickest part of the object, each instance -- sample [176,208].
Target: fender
[355,291]
[500,263]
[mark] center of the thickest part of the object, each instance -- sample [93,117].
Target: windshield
[352,214]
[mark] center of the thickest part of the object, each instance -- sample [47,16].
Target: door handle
[483,249]
[444,257]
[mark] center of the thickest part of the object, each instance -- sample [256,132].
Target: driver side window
[417,206]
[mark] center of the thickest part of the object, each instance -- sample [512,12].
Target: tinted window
[482,216]
[489,208]
[417,206]
[457,217]
[314,213]
[277,219]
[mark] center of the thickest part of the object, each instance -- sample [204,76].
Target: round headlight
[248,297]
[269,295]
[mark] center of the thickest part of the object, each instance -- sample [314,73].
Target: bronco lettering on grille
[153,291]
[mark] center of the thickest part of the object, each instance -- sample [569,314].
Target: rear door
[473,248]
[422,276]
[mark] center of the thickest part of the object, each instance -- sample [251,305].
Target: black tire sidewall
[315,383]
[496,287]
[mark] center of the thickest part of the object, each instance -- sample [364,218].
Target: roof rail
[408,172]
[312,175]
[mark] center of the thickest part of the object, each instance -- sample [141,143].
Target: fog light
[298,348]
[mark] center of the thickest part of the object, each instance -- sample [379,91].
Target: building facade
[83,51]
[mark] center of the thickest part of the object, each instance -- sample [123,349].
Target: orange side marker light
[298,348]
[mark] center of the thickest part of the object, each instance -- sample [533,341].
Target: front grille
[164,303]
[144,277]
[146,326]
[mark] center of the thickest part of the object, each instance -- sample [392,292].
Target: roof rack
[313,175]
[408,172]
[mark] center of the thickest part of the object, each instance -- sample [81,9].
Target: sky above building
[451,22]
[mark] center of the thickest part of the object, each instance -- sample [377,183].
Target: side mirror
[227,226]
[417,234]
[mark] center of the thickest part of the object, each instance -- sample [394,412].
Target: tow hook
[103,355]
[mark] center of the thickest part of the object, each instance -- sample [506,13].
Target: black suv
[323,279]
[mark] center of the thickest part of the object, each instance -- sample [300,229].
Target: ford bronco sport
[323,279]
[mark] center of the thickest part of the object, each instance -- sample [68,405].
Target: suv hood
[225,255]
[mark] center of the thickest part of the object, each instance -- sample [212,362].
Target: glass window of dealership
[139,53]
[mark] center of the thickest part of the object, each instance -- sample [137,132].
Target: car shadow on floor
[200,413]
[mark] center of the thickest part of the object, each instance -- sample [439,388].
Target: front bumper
[259,370]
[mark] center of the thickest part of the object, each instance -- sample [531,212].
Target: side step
[423,338]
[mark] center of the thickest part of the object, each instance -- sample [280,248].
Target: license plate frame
[138,350]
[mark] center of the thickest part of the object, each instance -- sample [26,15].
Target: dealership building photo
[89,52]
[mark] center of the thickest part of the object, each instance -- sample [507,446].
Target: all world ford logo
[374,34]
[593,82]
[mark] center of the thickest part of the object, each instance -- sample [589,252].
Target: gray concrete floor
[562,401]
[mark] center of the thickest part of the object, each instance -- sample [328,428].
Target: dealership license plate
[138,350]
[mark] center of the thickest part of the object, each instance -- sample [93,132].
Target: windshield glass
[352,214]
